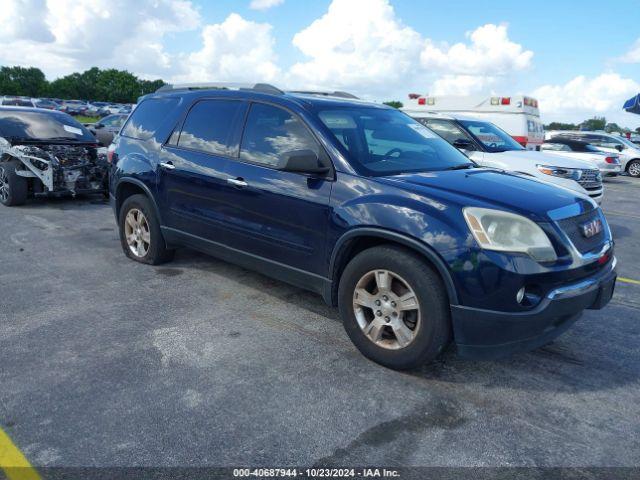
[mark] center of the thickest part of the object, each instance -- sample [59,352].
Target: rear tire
[379,315]
[13,188]
[140,234]
[633,168]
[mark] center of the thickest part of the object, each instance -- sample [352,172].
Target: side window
[446,129]
[270,133]
[558,147]
[148,117]
[110,121]
[210,126]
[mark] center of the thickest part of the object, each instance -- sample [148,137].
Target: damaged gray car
[47,153]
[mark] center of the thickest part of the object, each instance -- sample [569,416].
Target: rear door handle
[237,182]
[168,165]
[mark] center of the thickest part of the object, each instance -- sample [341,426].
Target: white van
[518,116]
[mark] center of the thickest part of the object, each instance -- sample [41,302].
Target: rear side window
[210,127]
[148,117]
[446,129]
[270,133]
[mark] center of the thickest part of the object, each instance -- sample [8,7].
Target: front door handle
[237,182]
[168,165]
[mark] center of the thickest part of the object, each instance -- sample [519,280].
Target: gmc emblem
[591,228]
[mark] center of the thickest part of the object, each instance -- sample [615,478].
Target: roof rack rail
[257,87]
[327,94]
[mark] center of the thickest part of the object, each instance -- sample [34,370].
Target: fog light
[520,295]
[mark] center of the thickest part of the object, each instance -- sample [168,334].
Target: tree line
[110,85]
[592,124]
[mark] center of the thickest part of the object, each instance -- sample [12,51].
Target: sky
[579,59]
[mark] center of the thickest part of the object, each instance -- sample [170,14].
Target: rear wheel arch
[358,240]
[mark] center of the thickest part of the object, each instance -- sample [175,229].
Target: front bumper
[488,334]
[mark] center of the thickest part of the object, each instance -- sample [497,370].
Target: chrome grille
[572,227]
[591,179]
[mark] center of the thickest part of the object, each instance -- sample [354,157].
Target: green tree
[29,81]
[561,126]
[638,130]
[595,123]
[613,127]
[394,104]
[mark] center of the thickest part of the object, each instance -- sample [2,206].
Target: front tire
[13,188]
[633,168]
[394,307]
[140,234]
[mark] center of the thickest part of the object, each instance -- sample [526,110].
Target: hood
[542,158]
[483,187]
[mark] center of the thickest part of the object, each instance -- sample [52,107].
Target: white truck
[519,116]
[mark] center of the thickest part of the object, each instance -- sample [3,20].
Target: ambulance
[518,116]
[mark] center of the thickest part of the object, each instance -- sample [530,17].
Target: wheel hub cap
[137,233]
[4,185]
[386,309]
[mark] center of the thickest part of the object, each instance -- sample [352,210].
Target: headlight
[570,173]
[508,232]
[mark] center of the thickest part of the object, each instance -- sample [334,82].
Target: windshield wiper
[462,166]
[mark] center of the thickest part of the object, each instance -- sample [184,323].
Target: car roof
[16,108]
[304,100]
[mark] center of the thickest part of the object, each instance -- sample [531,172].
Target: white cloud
[490,53]
[357,43]
[583,97]
[460,84]
[363,46]
[60,36]
[234,50]
[265,4]
[633,54]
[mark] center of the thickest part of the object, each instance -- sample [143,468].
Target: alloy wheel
[634,169]
[137,232]
[386,309]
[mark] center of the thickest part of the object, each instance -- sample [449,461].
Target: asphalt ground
[106,362]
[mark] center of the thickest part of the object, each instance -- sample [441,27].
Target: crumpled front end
[64,169]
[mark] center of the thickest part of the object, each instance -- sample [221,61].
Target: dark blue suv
[416,245]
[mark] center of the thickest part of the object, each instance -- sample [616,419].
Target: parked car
[490,146]
[105,129]
[47,153]
[607,163]
[74,107]
[16,101]
[415,244]
[46,104]
[627,151]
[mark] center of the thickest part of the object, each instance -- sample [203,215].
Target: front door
[277,215]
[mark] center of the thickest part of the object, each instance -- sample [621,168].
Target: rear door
[273,214]
[193,164]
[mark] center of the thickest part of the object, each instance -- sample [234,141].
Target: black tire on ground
[157,251]
[633,168]
[434,331]
[16,187]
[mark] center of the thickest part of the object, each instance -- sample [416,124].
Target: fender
[146,190]
[421,247]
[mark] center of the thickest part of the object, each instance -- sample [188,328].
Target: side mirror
[98,126]
[303,161]
[619,148]
[464,144]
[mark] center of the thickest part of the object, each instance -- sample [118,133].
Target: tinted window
[211,126]
[114,121]
[558,147]
[388,142]
[446,129]
[493,138]
[17,102]
[271,132]
[34,125]
[148,117]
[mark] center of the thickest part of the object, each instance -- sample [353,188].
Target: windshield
[492,138]
[387,142]
[33,125]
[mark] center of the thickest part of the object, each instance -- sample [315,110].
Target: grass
[83,119]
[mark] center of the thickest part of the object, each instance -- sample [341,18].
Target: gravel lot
[106,362]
